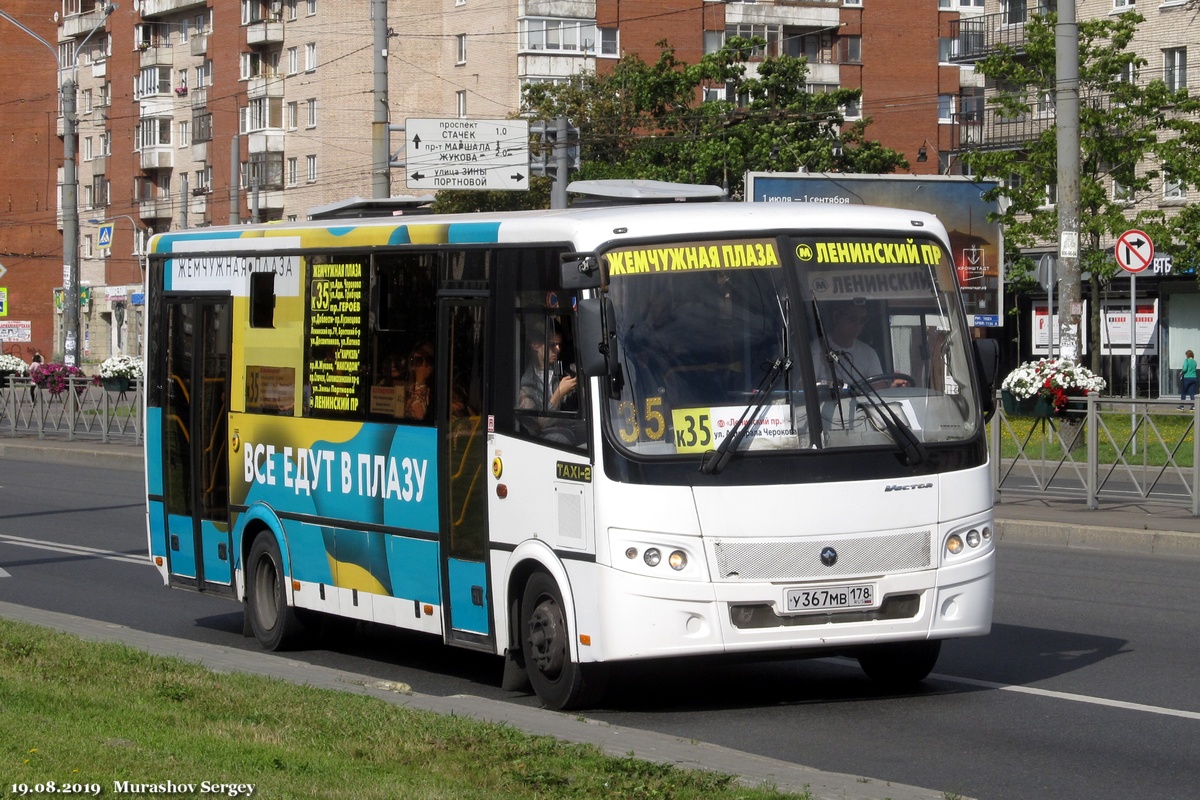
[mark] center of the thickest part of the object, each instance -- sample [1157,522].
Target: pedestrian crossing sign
[106,234]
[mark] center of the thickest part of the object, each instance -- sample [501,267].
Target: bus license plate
[829,598]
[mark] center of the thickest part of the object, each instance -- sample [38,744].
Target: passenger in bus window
[419,386]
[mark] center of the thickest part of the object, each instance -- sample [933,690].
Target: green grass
[76,711]
[1174,430]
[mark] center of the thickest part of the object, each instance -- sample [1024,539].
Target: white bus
[575,438]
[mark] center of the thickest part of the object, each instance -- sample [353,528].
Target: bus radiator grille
[738,560]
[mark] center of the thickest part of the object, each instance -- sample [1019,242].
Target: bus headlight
[653,556]
[677,560]
[954,544]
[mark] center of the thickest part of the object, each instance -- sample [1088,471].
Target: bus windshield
[789,343]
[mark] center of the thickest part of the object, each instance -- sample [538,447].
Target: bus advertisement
[578,438]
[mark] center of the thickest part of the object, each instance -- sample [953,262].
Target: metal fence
[1101,449]
[84,410]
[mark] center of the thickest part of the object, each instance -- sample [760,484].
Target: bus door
[462,455]
[196,467]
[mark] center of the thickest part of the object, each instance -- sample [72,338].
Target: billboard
[977,244]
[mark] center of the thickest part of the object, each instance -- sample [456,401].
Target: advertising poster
[976,243]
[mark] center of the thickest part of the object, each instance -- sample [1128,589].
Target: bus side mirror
[579,272]
[597,342]
[987,367]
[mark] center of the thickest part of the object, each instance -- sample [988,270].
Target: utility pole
[381,157]
[1066,102]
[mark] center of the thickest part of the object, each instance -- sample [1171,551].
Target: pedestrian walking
[1187,380]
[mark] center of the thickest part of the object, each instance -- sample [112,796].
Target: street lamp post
[68,87]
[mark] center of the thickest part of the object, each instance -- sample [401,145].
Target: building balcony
[78,25]
[268,199]
[200,151]
[160,157]
[267,141]
[153,8]
[157,57]
[265,86]
[993,131]
[154,208]
[984,35]
[264,33]
[199,44]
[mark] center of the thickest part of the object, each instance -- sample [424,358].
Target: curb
[1091,537]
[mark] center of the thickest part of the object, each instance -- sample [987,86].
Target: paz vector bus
[573,438]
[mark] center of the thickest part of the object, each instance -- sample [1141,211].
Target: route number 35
[652,424]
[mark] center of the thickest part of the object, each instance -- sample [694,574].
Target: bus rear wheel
[275,624]
[560,682]
[900,665]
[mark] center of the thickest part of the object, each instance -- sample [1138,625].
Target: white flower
[12,364]
[121,367]
[1054,378]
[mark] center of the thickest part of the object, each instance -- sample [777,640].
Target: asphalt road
[1083,690]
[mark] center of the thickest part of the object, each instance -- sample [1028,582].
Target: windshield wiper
[897,428]
[715,460]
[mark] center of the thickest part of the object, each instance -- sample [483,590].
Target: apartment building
[210,112]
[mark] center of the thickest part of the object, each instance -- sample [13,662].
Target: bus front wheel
[900,665]
[559,681]
[274,623]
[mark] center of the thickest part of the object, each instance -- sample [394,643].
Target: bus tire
[900,665]
[560,682]
[275,623]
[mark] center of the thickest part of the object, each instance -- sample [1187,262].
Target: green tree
[644,120]
[1130,133]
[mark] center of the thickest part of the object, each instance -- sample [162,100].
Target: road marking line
[1077,698]
[73,549]
[5,573]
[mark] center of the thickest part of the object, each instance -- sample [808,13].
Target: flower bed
[121,367]
[54,378]
[11,365]
[1051,380]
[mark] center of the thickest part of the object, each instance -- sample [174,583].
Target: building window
[852,2]
[87,149]
[609,42]
[461,42]
[293,110]
[947,49]
[264,113]
[1121,193]
[185,133]
[713,41]
[152,81]
[1124,3]
[292,168]
[264,171]
[152,132]
[311,104]
[1175,68]
[772,34]
[106,144]
[852,109]
[558,35]
[852,49]
[312,169]
[291,9]
[1128,74]
[310,56]
[1012,12]
[88,247]
[946,107]
[293,60]
[1172,186]
[461,99]
[1050,198]
[201,125]
[312,7]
